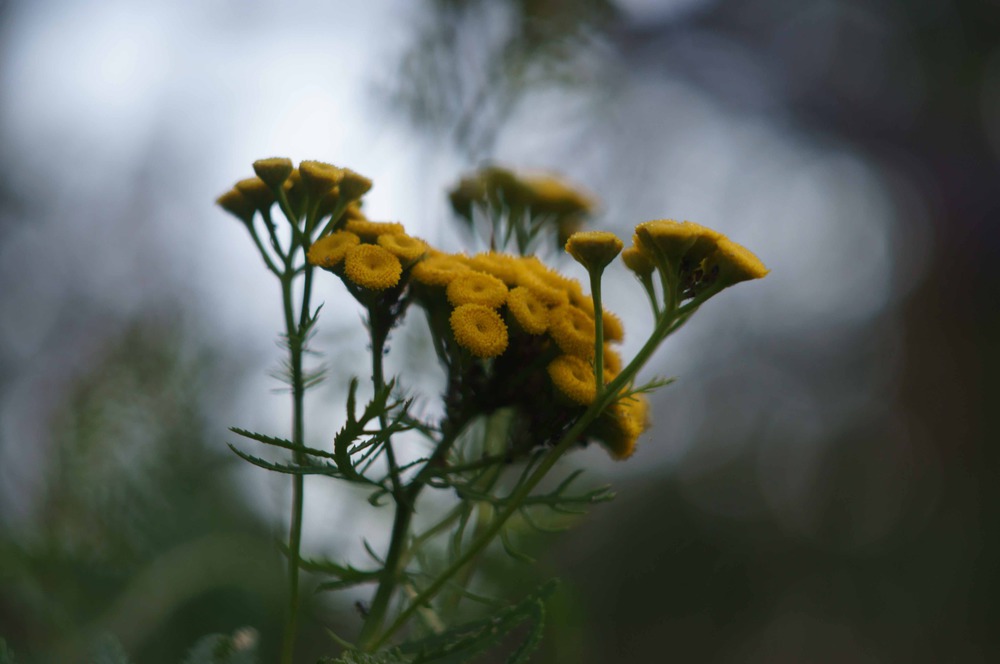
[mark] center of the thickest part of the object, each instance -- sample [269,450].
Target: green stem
[263,252]
[298,438]
[397,556]
[394,558]
[595,292]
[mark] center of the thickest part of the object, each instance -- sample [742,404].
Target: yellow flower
[612,362]
[256,192]
[354,185]
[354,211]
[551,195]
[573,331]
[439,270]
[529,312]
[613,328]
[371,266]
[477,288]
[736,263]
[236,204]
[371,230]
[502,266]
[541,194]
[295,191]
[406,248]
[620,427]
[479,329]
[330,249]
[320,177]
[273,171]
[638,262]
[574,379]
[676,240]
[594,249]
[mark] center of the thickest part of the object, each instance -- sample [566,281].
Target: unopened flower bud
[354,185]
[273,171]
[594,249]
[236,204]
[257,192]
[319,177]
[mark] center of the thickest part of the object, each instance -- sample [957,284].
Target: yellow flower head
[329,250]
[736,263]
[612,362]
[369,231]
[502,266]
[477,288]
[273,171]
[370,266]
[320,177]
[354,185]
[406,248]
[547,194]
[354,211]
[439,270]
[542,194]
[573,331]
[613,328]
[676,240]
[256,192]
[574,379]
[638,262]
[529,312]
[620,427]
[479,329]
[236,204]
[594,249]
[295,191]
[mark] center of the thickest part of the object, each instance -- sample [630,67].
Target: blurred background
[821,482]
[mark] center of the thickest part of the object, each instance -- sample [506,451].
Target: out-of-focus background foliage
[821,483]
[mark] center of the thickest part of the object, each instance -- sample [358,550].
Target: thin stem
[298,437]
[394,562]
[595,292]
[263,252]
[397,556]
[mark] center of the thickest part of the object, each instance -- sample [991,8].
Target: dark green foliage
[464,643]
[354,657]
[6,654]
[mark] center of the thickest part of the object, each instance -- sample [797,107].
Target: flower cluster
[531,362]
[502,323]
[510,331]
[532,201]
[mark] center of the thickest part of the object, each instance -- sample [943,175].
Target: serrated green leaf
[289,469]
[464,642]
[347,576]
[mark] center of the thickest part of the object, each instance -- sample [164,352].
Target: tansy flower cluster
[529,323]
[532,200]
[531,366]
[511,331]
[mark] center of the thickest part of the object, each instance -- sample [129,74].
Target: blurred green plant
[531,373]
[139,529]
